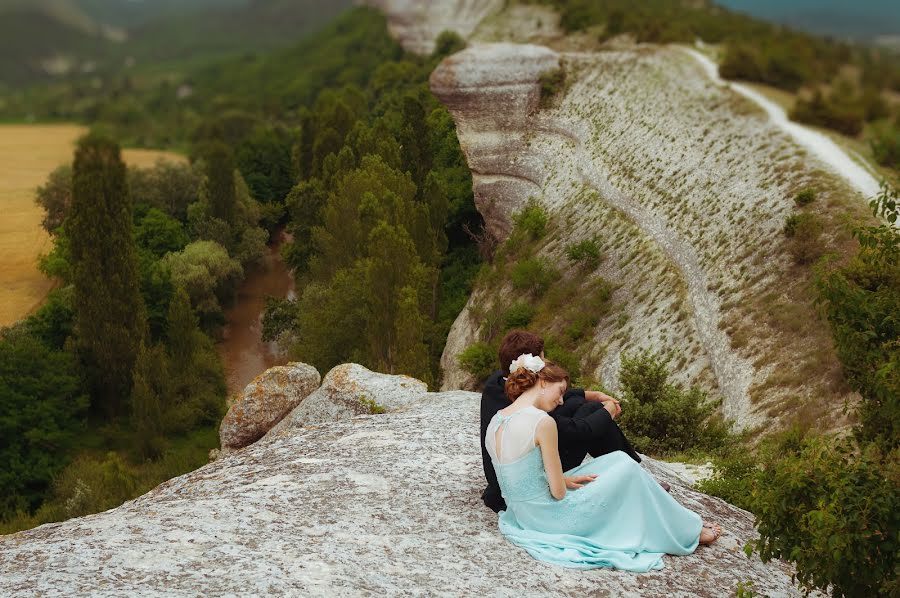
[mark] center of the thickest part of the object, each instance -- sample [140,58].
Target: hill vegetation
[341,128]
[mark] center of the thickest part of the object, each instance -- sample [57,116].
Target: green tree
[304,206]
[664,418]
[148,397]
[393,268]
[159,233]
[109,311]
[207,272]
[42,408]
[221,190]
[55,196]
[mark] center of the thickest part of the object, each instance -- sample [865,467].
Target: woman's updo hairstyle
[523,379]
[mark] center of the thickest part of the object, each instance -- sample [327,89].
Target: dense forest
[336,139]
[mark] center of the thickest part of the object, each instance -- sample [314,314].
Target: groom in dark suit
[585,420]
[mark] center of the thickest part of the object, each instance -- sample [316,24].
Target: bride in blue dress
[607,512]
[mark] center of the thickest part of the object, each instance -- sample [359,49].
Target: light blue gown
[623,519]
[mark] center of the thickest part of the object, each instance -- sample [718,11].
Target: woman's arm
[547,437]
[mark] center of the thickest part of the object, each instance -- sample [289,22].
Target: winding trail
[818,144]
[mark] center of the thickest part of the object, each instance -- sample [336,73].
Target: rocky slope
[374,505]
[684,184]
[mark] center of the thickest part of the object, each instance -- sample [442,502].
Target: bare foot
[710,533]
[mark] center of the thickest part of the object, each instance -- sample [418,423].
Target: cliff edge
[385,504]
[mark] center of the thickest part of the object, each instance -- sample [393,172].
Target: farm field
[28,153]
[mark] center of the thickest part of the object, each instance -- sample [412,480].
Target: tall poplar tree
[220,184]
[110,315]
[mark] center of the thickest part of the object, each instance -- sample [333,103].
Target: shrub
[732,479]
[532,220]
[833,510]
[886,146]
[447,43]
[518,316]
[804,231]
[534,275]
[586,253]
[479,360]
[663,418]
[805,197]
[552,82]
[566,359]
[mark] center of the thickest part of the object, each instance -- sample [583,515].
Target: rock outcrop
[416,24]
[264,403]
[349,390]
[374,505]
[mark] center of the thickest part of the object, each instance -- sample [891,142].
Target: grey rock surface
[377,505]
[265,401]
[349,390]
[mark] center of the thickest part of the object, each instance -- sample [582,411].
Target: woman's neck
[526,399]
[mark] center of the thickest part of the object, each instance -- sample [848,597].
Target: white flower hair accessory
[527,361]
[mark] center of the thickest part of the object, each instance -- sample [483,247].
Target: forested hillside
[337,139]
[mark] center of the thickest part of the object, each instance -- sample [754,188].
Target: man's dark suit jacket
[575,434]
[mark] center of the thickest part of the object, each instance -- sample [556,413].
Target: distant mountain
[247,25]
[133,13]
[863,20]
[40,39]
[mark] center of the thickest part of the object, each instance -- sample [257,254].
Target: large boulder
[376,505]
[349,390]
[265,401]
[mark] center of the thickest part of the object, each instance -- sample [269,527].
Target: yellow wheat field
[28,153]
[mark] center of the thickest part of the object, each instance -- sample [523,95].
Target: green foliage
[159,233]
[531,221]
[479,360]
[519,315]
[733,478]
[55,196]
[805,197]
[836,113]
[148,395]
[168,186]
[661,417]
[99,228]
[584,253]
[264,159]
[804,231]
[534,275]
[54,321]
[861,301]
[886,146]
[833,510]
[42,407]
[220,189]
[206,271]
[552,82]
[448,42]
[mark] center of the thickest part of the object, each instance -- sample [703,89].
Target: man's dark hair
[515,343]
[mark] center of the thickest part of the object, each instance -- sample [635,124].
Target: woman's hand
[612,407]
[574,482]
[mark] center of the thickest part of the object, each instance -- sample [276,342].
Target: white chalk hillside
[686,185]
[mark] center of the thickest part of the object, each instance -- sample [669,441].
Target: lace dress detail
[623,519]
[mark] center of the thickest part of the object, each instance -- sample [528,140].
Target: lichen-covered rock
[265,401]
[416,24]
[371,506]
[350,389]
